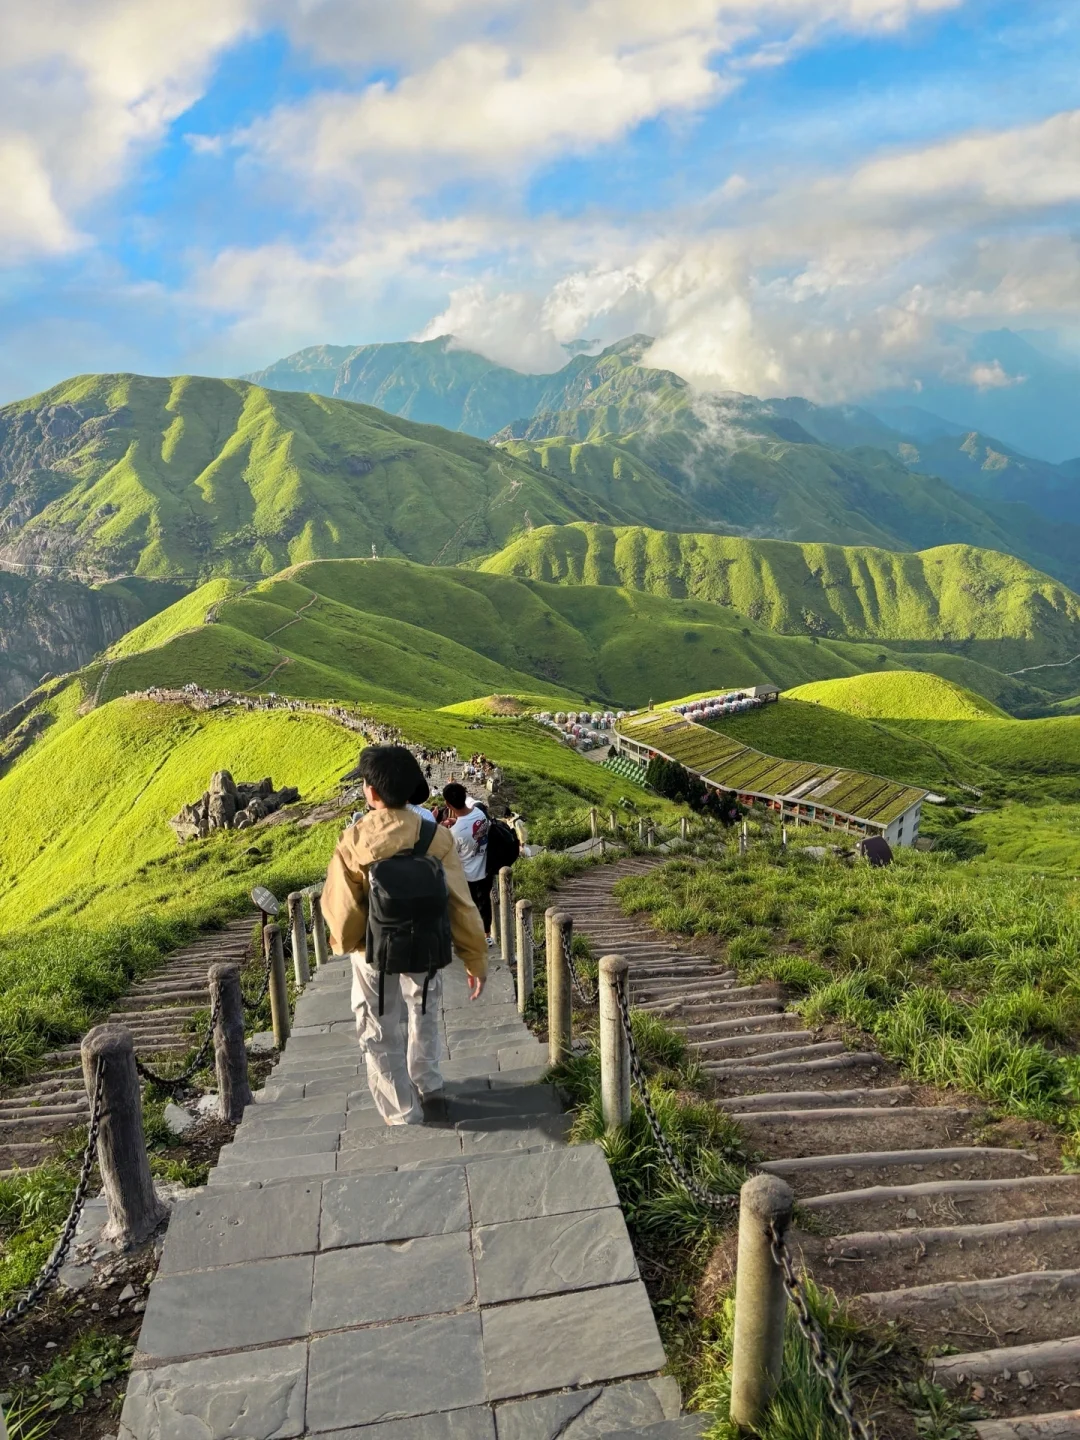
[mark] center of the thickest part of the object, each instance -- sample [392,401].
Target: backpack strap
[428,831]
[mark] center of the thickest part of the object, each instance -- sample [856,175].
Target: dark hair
[392,772]
[421,793]
[454,794]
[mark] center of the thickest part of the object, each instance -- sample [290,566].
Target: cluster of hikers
[407,889]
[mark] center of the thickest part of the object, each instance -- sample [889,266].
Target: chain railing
[839,1395]
[586,996]
[689,1182]
[173,1082]
[252,1005]
[53,1265]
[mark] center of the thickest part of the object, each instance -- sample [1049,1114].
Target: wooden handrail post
[318,932]
[506,914]
[279,990]
[614,1050]
[135,1211]
[230,1053]
[558,983]
[594,822]
[301,968]
[760,1300]
[524,941]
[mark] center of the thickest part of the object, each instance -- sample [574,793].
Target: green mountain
[980,604]
[191,477]
[970,461]
[642,439]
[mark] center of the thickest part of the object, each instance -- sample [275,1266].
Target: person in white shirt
[468,825]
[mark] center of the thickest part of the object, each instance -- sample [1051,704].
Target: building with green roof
[831,795]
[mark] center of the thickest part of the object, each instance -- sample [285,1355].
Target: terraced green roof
[725,762]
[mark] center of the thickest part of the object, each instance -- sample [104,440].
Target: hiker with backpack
[485,846]
[397,903]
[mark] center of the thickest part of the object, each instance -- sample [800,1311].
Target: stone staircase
[975,1247]
[468,1279]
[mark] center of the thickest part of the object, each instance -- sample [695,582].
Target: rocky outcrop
[50,626]
[230,806]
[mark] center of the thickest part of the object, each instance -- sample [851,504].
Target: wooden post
[301,969]
[506,914]
[594,823]
[783,837]
[524,939]
[230,1054]
[318,932]
[744,839]
[641,829]
[558,986]
[614,818]
[614,1051]
[650,835]
[279,991]
[760,1301]
[549,928]
[684,828]
[495,918]
[135,1210]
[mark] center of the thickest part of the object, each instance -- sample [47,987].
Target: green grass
[191,477]
[906,695]
[964,974]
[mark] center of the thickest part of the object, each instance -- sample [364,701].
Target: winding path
[975,1247]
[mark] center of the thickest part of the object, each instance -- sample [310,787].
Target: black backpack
[408,927]
[503,846]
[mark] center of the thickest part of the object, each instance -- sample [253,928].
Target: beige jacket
[377,836]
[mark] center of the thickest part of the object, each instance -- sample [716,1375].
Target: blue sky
[793,196]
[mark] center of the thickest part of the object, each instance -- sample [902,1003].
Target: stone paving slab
[589,1413]
[388,1372]
[292,1167]
[475,1423]
[553,1182]
[550,1254]
[209,1229]
[364,1209]
[565,1340]
[261,1393]
[430,1275]
[240,1305]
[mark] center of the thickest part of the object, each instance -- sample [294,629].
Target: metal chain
[822,1361]
[576,980]
[637,1072]
[52,1266]
[172,1082]
[250,1005]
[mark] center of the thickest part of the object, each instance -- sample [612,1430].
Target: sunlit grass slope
[899,695]
[194,477]
[393,631]
[994,608]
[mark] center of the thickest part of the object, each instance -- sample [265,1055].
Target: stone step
[812,1100]
[1054,1425]
[703,1028]
[39,1112]
[796,1133]
[761,1043]
[849,1060]
[820,1051]
[1039,1304]
[1045,1360]
[722,1008]
[686,1427]
[953,1201]
[819,1174]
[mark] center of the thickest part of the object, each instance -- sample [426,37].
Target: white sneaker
[491,942]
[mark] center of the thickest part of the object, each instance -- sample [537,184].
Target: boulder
[229,806]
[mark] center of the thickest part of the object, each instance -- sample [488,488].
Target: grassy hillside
[392,631]
[999,610]
[194,477]
[898,696]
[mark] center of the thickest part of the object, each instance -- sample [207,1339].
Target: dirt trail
[921,1210]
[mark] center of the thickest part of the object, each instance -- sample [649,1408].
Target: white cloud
[85,85]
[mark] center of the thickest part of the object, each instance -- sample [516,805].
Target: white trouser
[396,1069]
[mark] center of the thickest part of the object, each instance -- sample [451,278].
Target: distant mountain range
[440,383]
[175,481]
